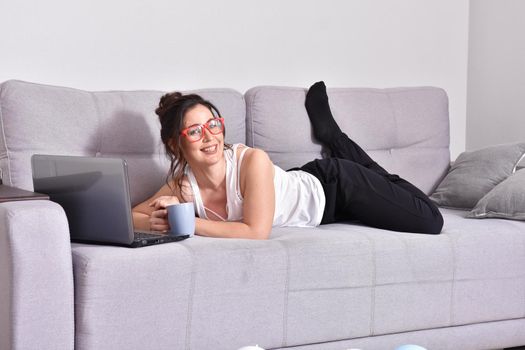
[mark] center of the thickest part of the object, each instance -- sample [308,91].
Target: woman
[239,193]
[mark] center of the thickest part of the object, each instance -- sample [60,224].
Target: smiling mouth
[211,149]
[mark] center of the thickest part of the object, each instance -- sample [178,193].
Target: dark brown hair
[172,108]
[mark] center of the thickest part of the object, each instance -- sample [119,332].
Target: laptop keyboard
[145,235]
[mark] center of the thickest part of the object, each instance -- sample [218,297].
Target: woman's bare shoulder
[240,148]
[251,152]
[255,160]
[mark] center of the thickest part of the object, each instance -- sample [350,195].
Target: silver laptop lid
[94,193]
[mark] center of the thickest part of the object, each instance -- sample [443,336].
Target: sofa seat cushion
[302,286]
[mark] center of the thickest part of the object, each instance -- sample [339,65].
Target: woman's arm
[149,217]
[258,191]
[227,229]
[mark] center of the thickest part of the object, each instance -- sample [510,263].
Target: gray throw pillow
[475,173]
[506,200]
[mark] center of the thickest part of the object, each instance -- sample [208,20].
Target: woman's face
[210,148]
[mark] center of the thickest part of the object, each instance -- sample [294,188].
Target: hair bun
[167,101]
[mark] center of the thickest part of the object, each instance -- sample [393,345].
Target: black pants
[357,188]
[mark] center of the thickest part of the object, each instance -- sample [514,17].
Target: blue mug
[181,218]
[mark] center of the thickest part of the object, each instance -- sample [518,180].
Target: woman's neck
[212,177]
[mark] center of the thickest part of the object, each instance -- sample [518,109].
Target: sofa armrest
[36,277]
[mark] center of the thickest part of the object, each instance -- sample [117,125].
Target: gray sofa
[333,287]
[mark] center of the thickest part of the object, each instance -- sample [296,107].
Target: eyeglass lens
[215,126]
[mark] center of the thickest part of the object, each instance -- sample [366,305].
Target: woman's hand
[163,202]
[159,217]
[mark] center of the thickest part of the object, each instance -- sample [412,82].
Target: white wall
[496,73]
[173,44]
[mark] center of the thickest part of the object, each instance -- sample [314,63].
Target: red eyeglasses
[195,132]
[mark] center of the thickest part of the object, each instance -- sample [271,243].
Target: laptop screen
[93,191]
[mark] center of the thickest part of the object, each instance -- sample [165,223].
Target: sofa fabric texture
[330,287]
[488,335]
[36,277]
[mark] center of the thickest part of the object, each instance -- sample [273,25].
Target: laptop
[94,193]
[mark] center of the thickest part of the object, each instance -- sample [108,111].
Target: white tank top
[299,196]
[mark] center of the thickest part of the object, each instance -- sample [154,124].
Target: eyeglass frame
[184,132]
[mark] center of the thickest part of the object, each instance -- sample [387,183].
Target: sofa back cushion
[406,130]
[55,120]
